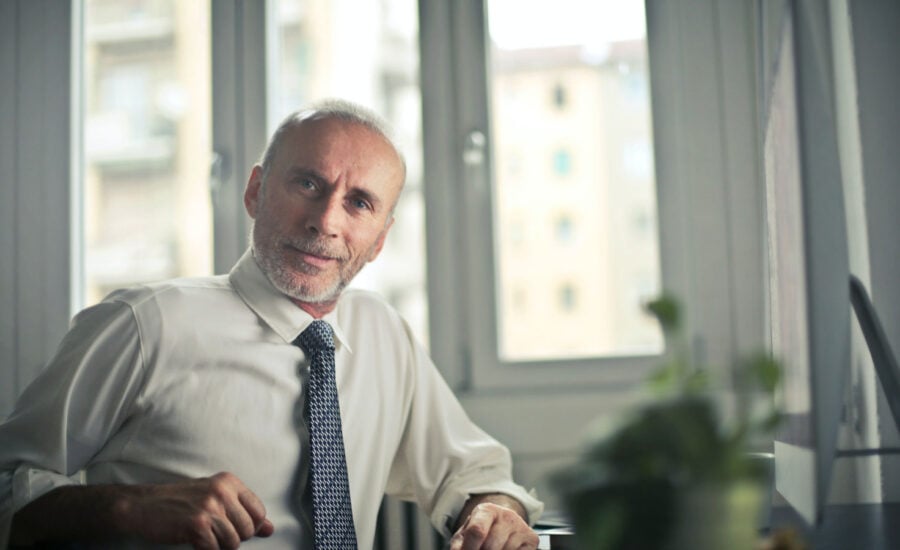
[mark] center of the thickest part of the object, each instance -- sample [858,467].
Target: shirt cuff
[451,503]
[21,486]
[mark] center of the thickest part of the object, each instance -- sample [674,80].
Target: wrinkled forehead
[315,137]
[328,126]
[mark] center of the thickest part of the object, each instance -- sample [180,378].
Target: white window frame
[709,202]
[238,119]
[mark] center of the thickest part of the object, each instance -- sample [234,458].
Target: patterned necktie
[332,515]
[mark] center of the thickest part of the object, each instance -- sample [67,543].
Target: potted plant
[671,474]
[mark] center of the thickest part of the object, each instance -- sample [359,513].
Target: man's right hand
[214,512]
[207,513]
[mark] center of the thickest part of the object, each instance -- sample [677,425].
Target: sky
[516,24]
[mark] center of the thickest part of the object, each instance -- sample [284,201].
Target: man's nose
[325,217]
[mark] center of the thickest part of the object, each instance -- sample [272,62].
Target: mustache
[317,247]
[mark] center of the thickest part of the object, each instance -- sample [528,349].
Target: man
[158,388]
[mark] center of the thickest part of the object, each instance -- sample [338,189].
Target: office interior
[702,175]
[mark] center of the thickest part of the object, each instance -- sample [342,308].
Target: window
[564,229]
[560,96]
[378,68]
[534,46]
[568,298]
[493,144]
[562,162]
[146,92]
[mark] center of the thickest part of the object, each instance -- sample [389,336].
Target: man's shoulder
[357,301]
[365,306]
[172,291]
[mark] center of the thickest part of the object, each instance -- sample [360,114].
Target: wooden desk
[847,526]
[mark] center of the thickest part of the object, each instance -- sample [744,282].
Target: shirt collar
[273,307]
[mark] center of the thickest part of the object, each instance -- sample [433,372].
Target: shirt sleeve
[65,416]
[444,458]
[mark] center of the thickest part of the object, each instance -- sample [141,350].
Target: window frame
[710,238]
[238,119]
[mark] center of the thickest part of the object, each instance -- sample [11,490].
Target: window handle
[473,152]
[473,157]
[218,173]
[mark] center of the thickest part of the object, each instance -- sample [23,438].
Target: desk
[847,526]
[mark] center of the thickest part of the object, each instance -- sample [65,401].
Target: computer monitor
[808,256]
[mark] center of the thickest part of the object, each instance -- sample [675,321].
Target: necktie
[332,515]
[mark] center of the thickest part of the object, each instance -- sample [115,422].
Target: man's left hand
[493,526]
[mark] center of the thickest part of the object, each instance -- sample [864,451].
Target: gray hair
[340,109]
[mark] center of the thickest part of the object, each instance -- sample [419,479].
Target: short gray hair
[340,109]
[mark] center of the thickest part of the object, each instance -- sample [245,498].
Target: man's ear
[379,244]
[251,192]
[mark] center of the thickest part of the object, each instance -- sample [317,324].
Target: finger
[477,528]
[501,537]
[255,508]
[226,490]
[202,537]
[225,533]
[496,540]
[266,529]
[523,540]
[241,521]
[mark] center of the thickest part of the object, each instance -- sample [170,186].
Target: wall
[35,213]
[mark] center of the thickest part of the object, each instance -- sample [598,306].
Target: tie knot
[317,337]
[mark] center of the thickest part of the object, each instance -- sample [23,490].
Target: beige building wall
[147,143]
[575,200]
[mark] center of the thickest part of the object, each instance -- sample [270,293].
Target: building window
[560,96]
[564,229]
[562,162]
[568,298]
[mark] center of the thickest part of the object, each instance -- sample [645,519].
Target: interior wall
[35,213]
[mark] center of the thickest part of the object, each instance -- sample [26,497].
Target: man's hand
[493,522]
[214,512]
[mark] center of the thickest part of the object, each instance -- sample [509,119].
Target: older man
[268,406]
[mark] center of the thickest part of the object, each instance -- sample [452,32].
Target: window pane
[365,51]
[146,144]
[573,157]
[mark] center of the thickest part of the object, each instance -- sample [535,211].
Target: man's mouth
[313,259]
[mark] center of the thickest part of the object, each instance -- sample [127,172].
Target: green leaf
[667,312]
[697,381]
[766,370]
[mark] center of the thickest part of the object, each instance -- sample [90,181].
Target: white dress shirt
[190,377]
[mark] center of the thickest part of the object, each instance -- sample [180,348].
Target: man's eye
[360,204]
[307,184]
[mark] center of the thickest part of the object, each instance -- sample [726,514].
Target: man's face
[324,209]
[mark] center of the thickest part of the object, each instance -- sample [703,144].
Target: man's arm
[70,410]
[214,512]
[493,521]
